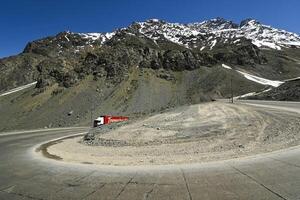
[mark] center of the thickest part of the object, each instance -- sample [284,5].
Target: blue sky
[22,21]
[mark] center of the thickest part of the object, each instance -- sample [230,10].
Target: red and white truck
[107,119]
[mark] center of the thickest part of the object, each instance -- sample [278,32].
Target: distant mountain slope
[289,91]
[146,67]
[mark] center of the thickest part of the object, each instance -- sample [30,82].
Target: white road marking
[38,130]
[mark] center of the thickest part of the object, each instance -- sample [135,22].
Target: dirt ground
[189,134]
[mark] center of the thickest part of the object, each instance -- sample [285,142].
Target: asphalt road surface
[24,176]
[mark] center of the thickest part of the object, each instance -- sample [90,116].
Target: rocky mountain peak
[249,22]
[217,24]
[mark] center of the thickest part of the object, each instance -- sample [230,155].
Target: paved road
[283,105]
[24,176]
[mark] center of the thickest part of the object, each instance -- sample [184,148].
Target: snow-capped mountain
[205,35]
[219,30]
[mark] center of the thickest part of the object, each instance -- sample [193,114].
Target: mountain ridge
[156,43]
[219,27]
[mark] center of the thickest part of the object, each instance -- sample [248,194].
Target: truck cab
[99,121]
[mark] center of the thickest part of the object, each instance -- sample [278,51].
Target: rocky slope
[143,68]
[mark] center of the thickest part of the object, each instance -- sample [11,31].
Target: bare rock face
[55,71]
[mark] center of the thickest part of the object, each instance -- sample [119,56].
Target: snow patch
[292,79]
[109,35]
[226,66]
[257,79]
[266,44]
[18,89]
[260,80]
[213,44]
[235,41]
[67,38]
[246,95]
[92,36]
